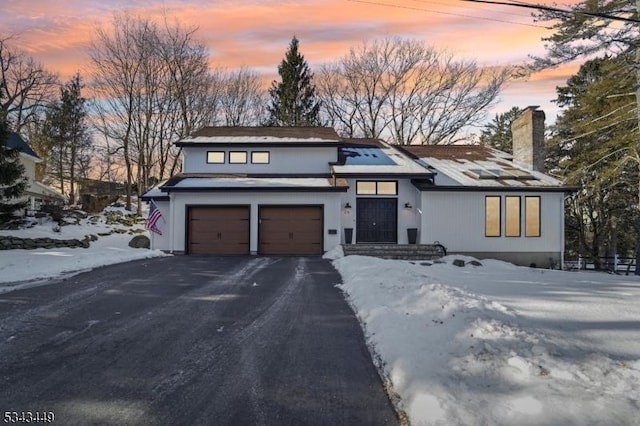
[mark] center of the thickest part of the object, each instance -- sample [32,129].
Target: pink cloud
[257,33]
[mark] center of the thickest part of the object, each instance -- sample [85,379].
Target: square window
[237,157]
[387,188]
[259,157]
[215,157]
[365,188]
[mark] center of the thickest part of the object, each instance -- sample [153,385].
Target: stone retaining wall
[14,243]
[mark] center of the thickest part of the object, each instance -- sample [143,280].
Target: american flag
[152,220]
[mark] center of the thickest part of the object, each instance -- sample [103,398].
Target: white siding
[457,220]
[180,201]
[283,160]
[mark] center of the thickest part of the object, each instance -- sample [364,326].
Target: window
[260,157]
[376,187]
[492,216]
[215,157]
[532,216]
[512,216]
[237,157]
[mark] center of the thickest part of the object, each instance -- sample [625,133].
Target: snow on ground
[498,344]
[27,268]
[479,345]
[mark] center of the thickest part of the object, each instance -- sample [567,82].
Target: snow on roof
[247,182]
[479,166]
[252,139]
[300,134]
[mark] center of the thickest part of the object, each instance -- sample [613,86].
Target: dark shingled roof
[363,142]
[276,132]
[17,143]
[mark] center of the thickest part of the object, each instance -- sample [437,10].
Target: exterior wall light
[347,206]
[408,205]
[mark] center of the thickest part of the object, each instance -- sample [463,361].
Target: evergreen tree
[293,99]
[12,179]
[66,129]
[594,148]
[497,133]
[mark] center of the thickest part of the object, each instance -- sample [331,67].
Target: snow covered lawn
[38,265]
[501,345]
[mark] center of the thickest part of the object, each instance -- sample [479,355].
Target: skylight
[500,174]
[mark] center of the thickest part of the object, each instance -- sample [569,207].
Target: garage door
[295,230]
[218,230]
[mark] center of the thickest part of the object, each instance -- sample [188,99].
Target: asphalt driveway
[190,340]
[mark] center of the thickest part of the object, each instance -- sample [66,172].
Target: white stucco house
[36,193]
[305,190]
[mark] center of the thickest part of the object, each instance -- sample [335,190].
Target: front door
[376,220]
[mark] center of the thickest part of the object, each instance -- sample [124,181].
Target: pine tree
[497,133]
[293,99]
[594,148]
[12,179]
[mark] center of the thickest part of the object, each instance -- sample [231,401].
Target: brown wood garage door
[218,230]
[292,230]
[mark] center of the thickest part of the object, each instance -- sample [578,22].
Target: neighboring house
[302,190]
[36,193]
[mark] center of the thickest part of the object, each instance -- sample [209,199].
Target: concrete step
[396,251]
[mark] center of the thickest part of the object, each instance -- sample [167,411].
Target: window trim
[246,157]
[486,218]
[507,214]
[377,191]
[261,152]
[224,156]
[526,211]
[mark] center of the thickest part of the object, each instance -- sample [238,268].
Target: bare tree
[406,91]
[242,99]
[154,87]
[25,86]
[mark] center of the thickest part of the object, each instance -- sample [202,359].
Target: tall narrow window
[215,157]
[512,216]
[532,216]
[238,157]
[492,216]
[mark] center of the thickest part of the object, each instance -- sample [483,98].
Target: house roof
[16,142]
[477,166]
[363,142]
[222,182]
[262,135]
[371,157]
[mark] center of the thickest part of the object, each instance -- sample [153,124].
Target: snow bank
[500,344]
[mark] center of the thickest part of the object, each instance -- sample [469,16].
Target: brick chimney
[528,139]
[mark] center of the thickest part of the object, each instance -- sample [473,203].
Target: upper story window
[215,157]
[365,187]
[237,157]
[260,157]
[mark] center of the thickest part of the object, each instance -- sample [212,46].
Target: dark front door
[376,220]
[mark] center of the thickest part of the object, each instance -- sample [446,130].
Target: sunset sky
[256,33]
